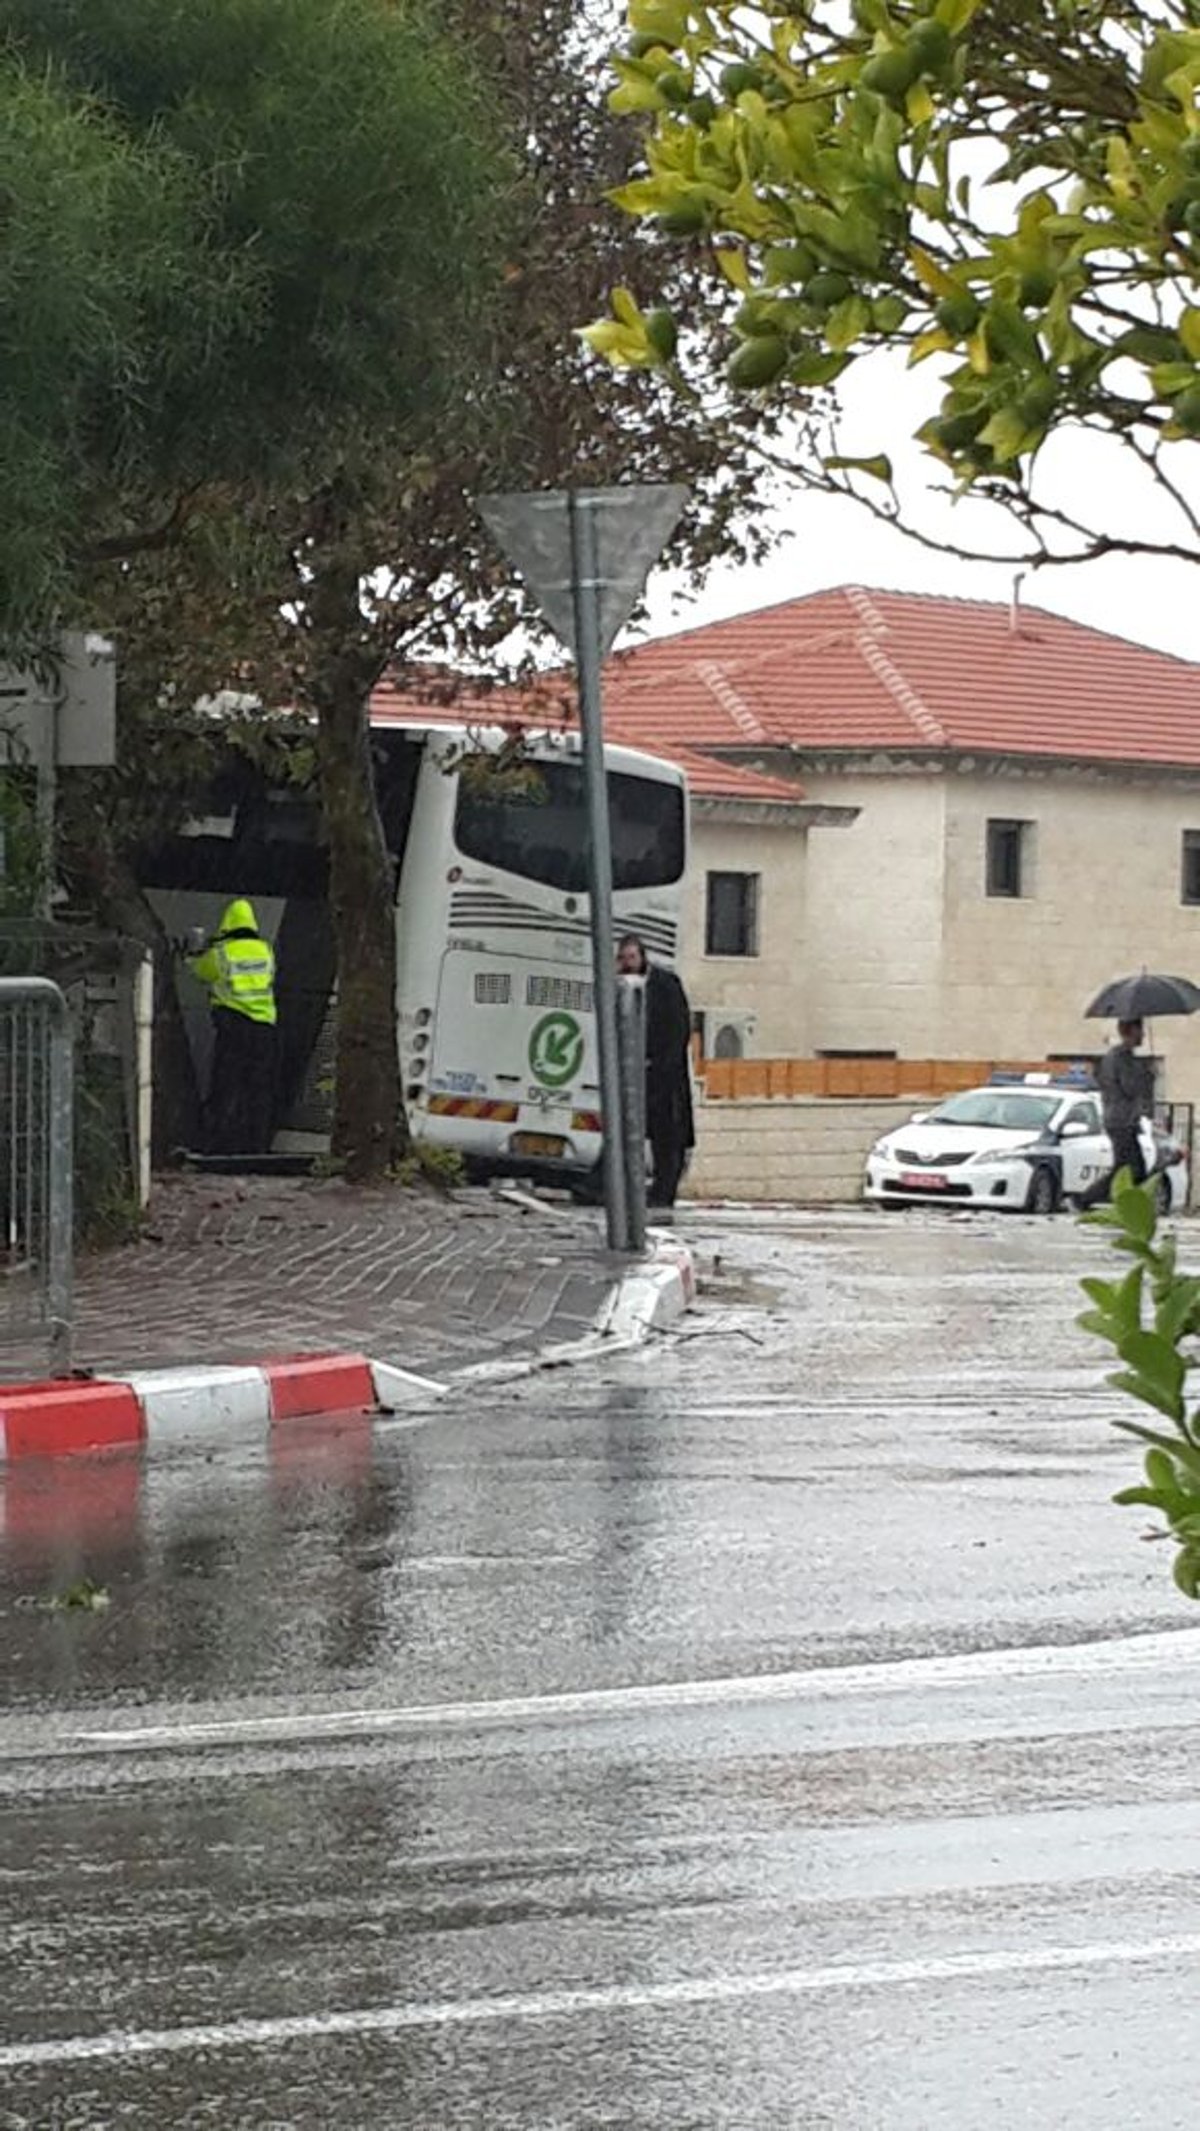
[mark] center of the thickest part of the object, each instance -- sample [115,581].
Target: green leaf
[1134,1207]
[1007,432]
[1177,1310]
[879,468]
[1170,379]
[1101,1325]
[1120,1299]
[1187,1572]
[1143,1388]
[1160,1469]
[956,14]
[847,322]
[1182,1452]
[815,368]
[1158,1364]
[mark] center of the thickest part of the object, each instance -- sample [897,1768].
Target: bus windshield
[540,833]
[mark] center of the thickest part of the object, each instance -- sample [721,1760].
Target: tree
[1010,191]
[308,597]
[313,286]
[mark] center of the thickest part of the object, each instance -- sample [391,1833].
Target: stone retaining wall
[801,1151]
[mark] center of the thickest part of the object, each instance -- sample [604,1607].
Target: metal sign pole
[585,589]
[631,1038]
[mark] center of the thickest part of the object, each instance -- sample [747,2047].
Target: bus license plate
[544,1144]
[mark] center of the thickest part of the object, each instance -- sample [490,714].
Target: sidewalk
[235,1269]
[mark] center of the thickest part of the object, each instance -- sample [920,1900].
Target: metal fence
[37,1167]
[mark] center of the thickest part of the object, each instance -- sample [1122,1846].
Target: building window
[731,920]
[1189,883]
[1008,850]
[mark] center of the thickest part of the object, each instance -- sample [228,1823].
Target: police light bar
[1079,1076]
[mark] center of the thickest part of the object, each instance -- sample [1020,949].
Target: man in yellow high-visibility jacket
[238,968]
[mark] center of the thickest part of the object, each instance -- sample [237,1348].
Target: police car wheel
[1042,1197]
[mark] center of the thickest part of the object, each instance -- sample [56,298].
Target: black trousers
[241,1092]
[1127,1154]
[669,1131]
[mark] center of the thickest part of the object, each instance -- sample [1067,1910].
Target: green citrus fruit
[662,333]
[674,86]
[890,74]
[1038,286]
[686,218]
[757,362]
[958,314]
[930,43]
[739,77]
[825,288]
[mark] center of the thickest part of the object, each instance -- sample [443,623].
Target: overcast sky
[829,542]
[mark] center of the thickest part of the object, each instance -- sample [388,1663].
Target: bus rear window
[540,834]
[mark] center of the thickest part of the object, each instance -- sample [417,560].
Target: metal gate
[37,1169]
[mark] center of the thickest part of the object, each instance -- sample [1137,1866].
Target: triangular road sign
[632,526]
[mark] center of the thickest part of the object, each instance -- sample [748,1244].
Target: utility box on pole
[61,717]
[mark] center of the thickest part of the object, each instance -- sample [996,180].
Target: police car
[1026,1142]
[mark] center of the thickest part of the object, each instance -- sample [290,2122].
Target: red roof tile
[554,698]
[851,669]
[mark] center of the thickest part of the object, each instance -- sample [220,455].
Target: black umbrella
[1144,998]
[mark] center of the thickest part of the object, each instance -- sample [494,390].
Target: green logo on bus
[556,1050]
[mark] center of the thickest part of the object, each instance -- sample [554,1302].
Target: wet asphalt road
[779,1729]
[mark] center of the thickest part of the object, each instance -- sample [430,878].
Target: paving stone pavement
[236,1269]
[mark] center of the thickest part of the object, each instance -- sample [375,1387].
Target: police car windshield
[999,1110]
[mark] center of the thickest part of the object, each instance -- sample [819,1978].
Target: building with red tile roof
[1026,794]
[1017,801]
[847,670]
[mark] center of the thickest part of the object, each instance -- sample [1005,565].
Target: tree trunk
[369,1129]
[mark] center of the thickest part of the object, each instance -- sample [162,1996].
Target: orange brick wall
[784,1079]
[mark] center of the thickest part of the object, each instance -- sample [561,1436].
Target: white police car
[1026,1141]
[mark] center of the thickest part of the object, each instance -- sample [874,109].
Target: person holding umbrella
[1126,1084]
[1125,1081]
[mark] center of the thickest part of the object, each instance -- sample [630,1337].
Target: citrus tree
[1151,1318]
[1005,190]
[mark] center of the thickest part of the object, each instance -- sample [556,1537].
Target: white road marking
[1109,1658]
[616,1997]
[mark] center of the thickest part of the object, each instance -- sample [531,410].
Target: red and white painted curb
[161,1406]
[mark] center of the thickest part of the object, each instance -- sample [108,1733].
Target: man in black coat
[670,1126]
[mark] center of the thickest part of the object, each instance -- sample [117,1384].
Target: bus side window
[397,761]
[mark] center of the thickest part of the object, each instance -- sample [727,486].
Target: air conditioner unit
[726,1032]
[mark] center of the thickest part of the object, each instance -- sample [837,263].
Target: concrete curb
[161,1406]
[651,1297]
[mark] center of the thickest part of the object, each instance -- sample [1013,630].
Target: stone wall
[797,1152]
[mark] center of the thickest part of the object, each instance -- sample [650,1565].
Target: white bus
[494,980]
